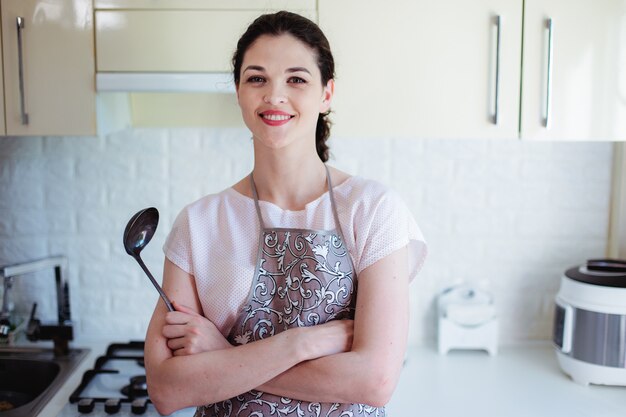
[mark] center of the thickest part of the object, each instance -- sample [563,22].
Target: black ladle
[137,235]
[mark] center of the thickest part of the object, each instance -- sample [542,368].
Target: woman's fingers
[183,308]
[179,317]
[181,346]
[173,331]
[176,344]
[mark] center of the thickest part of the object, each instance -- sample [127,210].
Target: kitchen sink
[29,378]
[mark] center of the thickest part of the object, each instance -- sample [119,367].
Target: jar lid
[604,272]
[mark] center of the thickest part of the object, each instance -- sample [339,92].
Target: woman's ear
[327,96]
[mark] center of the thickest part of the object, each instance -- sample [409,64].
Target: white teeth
[276,116]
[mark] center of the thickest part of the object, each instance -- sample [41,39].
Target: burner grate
[118,377]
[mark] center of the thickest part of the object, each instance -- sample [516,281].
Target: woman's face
[280,92]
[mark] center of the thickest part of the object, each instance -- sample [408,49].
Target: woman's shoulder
[227,199]
[360,190]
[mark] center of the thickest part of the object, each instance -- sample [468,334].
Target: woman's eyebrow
[298,69]
[254,68]
[288,70]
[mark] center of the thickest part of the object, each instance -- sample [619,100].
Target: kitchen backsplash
[507,215]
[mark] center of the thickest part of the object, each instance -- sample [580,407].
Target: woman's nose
[274,97]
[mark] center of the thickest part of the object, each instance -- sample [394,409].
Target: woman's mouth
[275,118]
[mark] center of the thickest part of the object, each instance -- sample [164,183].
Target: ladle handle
[167,301]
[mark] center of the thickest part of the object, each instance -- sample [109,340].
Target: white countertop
[520,381]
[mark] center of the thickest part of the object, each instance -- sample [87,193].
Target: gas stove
[116,386]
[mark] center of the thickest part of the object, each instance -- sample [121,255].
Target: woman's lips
[275,117]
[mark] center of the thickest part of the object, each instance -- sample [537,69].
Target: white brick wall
[507,215]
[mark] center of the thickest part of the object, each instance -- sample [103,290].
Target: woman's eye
[255,79]
[297,80]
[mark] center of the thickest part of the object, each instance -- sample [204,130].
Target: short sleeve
[386,226]
[177,246]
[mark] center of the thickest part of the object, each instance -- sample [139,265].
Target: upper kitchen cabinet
[436,69]
[168,41]
[176,35]
[454,69]
[574,74]
[48,67]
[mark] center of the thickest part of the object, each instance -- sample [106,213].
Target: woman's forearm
[204,378]
[350,377]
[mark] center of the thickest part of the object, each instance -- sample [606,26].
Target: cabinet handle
[20,27]
[548,104]
[496,87]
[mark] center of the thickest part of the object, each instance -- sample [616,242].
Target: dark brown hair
[309,33]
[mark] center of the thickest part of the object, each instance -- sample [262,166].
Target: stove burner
[136,388]
[116,384]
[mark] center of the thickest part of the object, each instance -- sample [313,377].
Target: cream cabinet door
[57,93]
[425,68]
[574,72]
[168,40]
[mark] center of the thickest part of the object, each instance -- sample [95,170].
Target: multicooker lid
[605,272]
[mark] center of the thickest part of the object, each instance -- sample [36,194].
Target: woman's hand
[189,333]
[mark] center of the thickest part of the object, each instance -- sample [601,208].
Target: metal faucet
[60,333]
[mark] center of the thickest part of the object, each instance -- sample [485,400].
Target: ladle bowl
[137,235]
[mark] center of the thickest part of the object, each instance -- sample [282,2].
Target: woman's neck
[291,182]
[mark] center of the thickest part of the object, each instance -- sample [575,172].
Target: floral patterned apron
[303,278]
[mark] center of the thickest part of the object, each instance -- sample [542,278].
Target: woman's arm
[369,372]
[179,381]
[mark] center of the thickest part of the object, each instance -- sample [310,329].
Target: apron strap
[332,203]
[256,203]
[337,223]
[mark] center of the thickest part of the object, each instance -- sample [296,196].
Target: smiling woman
[277,90]
[313,46]
[263,275]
